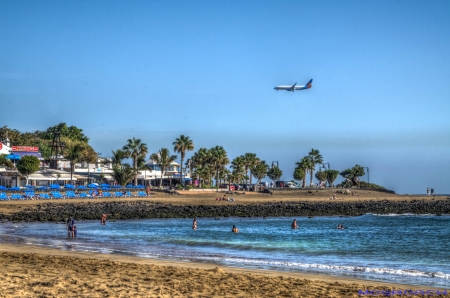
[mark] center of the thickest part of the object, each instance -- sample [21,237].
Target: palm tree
[250,161]
[123,174]
[200,159]
[218,159]
[305,165]
[135,149]
[117,157]
[163,159]
[316,158]
[181,145]
[143,167]
[238,166]
[74,154]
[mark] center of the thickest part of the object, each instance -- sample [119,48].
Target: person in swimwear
[235,229]
[103,220]
[194,224]
[294,224]
[74,231]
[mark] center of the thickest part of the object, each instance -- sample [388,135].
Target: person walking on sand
[194,224]
[294,224]
[235,229]
[70,224]
[147,190]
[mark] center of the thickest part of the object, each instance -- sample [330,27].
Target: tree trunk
[181,171]
[160,181]
[311,172]
[217,180]
[72,166]
[135,168]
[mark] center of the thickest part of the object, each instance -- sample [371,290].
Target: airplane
[294,87]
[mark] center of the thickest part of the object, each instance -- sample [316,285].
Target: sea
[406,249]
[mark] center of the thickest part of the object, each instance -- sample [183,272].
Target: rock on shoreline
[144,210]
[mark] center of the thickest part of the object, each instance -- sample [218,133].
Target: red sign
[1,146]
[25,148]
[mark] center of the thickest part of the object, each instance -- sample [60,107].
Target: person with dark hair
[235,229]
[70,224]
[194,224]
[294,224]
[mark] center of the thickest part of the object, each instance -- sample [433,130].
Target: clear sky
[206,69]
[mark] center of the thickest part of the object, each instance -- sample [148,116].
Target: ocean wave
[333,268]
[400,214]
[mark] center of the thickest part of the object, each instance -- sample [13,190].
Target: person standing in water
[294,224]
[235,229]
[70,224]
[103,220]
[194,224]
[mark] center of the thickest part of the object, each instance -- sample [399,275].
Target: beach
[39,271]
[30,271]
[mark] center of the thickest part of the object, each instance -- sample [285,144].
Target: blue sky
[206,69]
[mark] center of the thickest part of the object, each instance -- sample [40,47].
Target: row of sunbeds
[31,195]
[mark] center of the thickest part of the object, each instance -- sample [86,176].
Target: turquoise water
[410,249]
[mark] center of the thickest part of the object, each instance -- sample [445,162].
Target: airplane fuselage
[294,87]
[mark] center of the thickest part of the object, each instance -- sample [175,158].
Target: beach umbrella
[70,186]
[55,186]
[43,187]
[93,185]
[140,186]
[116,186]
[104,185]
[81,187]
[129,186]
[13,157]
[2,187]
[15,188]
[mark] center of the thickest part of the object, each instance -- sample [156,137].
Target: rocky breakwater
[142,209]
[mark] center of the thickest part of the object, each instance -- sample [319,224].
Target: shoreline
[161,278]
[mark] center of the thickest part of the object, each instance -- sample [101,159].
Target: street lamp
[368,177]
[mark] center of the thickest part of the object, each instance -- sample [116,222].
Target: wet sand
[31,271]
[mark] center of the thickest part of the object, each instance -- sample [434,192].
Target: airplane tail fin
[309,84]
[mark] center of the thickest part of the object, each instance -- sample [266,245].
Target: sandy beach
[30,271]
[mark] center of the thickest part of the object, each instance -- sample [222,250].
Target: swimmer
[74,231]
[194,224]
[235,229]
[294,224]
[103,220]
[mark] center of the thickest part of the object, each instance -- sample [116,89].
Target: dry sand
[208,198]
[29,271]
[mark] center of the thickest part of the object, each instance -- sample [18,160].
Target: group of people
[430,191]
[339,226]
[225,198]
[335,198]
[194,226]
[72,228]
